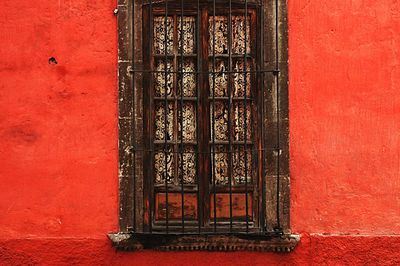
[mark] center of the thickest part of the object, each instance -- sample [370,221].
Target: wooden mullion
[203,120]
[147,121]
[258,123]
[254,121]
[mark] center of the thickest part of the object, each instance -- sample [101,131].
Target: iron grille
[205,142]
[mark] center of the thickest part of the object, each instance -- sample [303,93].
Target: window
[203,125]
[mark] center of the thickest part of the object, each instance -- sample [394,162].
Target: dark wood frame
[203,116]
[132,127]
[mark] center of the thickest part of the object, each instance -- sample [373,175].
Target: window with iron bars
[203,125]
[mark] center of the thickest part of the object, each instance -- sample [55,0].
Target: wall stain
[22,133]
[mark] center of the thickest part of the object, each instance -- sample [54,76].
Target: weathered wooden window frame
[278,236]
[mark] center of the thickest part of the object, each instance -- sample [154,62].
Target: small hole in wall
[52,61]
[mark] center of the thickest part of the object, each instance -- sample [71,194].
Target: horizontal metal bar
[205,72]
[189,152]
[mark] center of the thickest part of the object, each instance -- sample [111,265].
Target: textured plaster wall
[58,134]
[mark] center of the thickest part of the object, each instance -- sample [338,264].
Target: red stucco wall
[58,135]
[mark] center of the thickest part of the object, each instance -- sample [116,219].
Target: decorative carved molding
[164,242]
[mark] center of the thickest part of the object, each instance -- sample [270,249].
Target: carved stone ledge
[239,242]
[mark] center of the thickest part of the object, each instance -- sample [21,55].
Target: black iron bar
[207,72]
[165,114]
[245,115]
[213,122]
[230,166]
[150,211]
[263,185]
[199,213]
[182,117]
[207,153]
[194,152]
[278,150]
[133,121]
[263,188]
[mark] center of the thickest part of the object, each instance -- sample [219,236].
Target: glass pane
[189,78]
[188,28]
[160,81]
[164,161]
[220,33]
[220,125]
[160,121]
[239,83]
[188,122]
[239,35]
[221,78]
[242,126]
[241,168]
[189,165]
[159,35]
[221,165]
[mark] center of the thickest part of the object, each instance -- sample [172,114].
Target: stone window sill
[237,242]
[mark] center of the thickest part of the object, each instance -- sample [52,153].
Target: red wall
[58,135]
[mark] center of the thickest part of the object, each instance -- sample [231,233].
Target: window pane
[221,165]
[188,28]
[160,121]
[220,124]
[160,81]
[189,165]
[242,127]
[189,78]
[239,83]
[188,122]
[241,168]
[220,33]
[160,34]
[221,78]
[239,35]
[161,164]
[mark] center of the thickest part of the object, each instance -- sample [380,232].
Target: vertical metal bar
[277,114]
[245,116]
[165,114]
[199,212]
[213,124]
[182,117]
[230,167]
[151,143]
[133,117]
[263,189]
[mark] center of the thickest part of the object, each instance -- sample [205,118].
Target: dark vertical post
[165,113]
[204,92]
[133,87]
[213,124]
[182,117]
[245,116]
[278,149]
[151,179]
[262,59]
[199,205]
[230,166]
